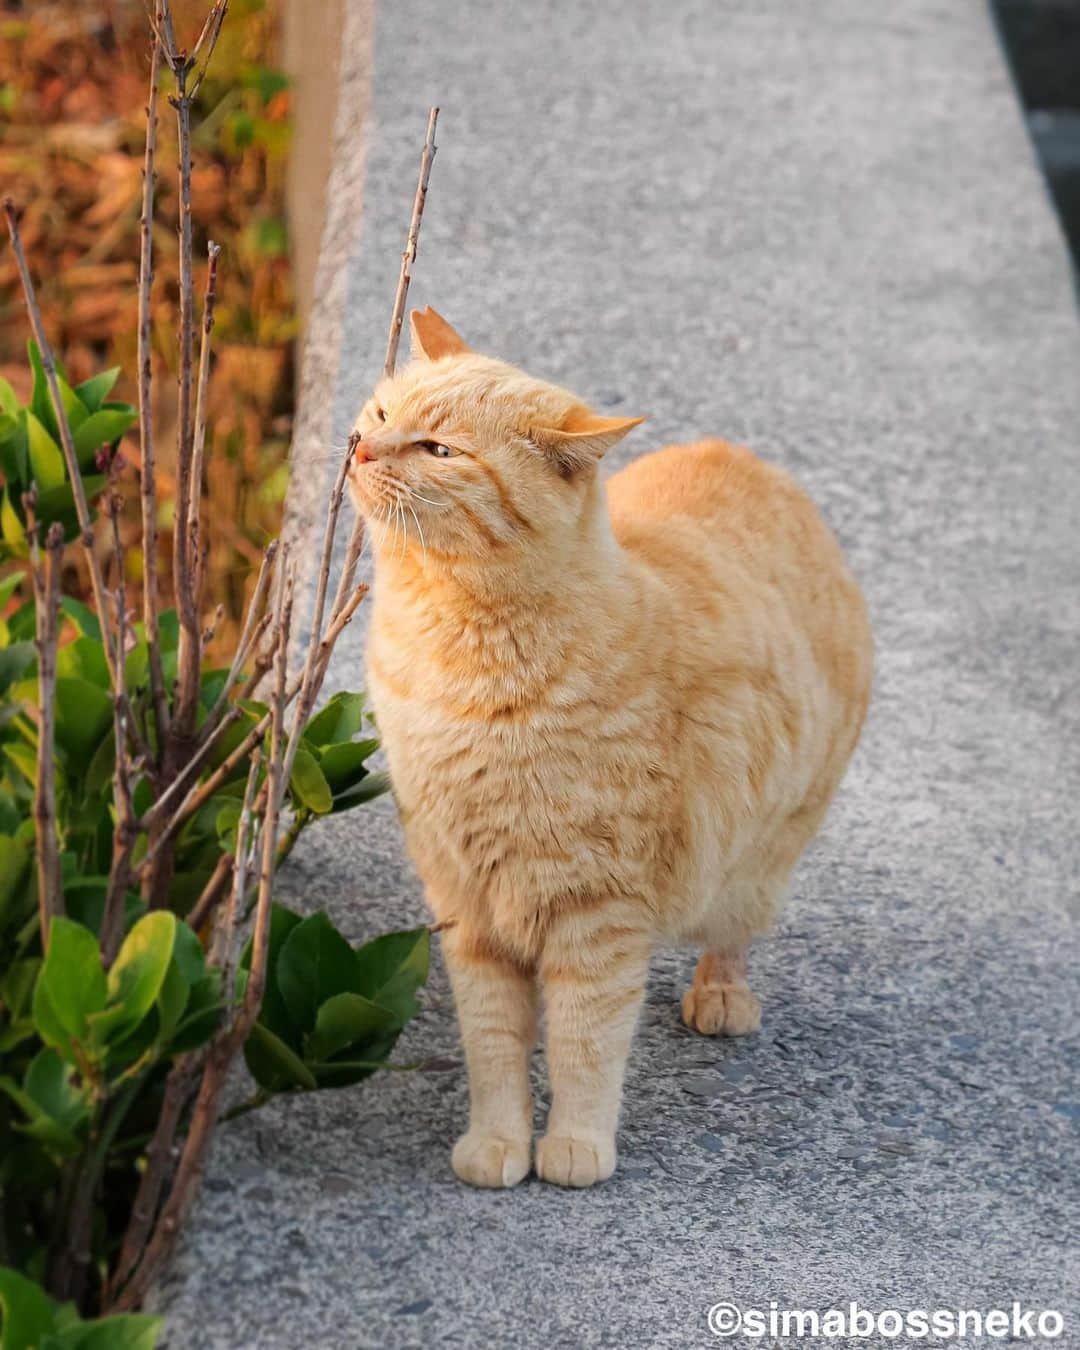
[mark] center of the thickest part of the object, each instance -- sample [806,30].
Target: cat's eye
[380,412]
[437,449]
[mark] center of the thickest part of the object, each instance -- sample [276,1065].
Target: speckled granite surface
[819,230]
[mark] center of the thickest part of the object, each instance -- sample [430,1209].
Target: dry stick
[192,1162]
[78,492]
[309,690]
[210,896]
[211,30]
[148,484]
[189,656]
[224,940]
[178,1087]
[409,256]
[199,435]
[253,630]
[47,617]
[126,831]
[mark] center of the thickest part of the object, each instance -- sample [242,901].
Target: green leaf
[308,783]
[225,824]
[14,862]
[40,402]
[83,659]
[49,1085]
[15,660]
[82,616]
[58,503]
[392,967]
[349,1020]
[343,765]
[201,1016]
[11,527]
[127,1331]
[71,986]
[73,407]
[94,391]
[138,972]
[46,459]
[315,964]
[9,585]
[8,400]
[340,720]
[14,455]
[28,1314]
[374,785]
[275,1066]
[83,716]
[101,428]
[17,984]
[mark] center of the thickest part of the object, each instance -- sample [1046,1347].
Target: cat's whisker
[423,541]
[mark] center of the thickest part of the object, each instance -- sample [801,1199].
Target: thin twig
[310,683]
[224,939]
[211,894]
[199,436]
[147,481]
[126,830]
[178,1087]
[255,624]
[189,653]
[409,255]
[211,30]
[47,623]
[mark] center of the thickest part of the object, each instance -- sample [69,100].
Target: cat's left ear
[433,337]
[582,439]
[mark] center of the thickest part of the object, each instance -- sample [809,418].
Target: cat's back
[709,483]
[712,519]
[712,504]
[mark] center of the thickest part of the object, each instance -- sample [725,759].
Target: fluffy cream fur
[612,716]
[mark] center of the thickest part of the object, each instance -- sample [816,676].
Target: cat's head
[464,456]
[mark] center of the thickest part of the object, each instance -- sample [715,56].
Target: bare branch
[189,656]
[47,623]
[255,625]
[223,942]
[409,256]
[211,30]
[126,831]
[148,481]
[311,682]
[159,1155]
[199,435]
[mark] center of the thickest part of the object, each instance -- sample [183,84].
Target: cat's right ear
[433,337]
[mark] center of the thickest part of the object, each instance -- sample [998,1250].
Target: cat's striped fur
[613,716]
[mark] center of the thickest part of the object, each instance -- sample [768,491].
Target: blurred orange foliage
[73,89]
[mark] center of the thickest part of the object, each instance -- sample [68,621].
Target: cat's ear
[433,337]
[582,438]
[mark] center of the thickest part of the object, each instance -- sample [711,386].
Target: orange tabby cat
[613,716]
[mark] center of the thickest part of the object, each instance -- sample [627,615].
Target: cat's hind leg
[720,1001]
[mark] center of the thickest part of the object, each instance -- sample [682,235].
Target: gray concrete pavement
[817,229]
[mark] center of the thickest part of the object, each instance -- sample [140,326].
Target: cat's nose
[362,454]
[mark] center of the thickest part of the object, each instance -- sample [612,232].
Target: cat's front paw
[721,1009]
[489,1159]
[569,1161]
